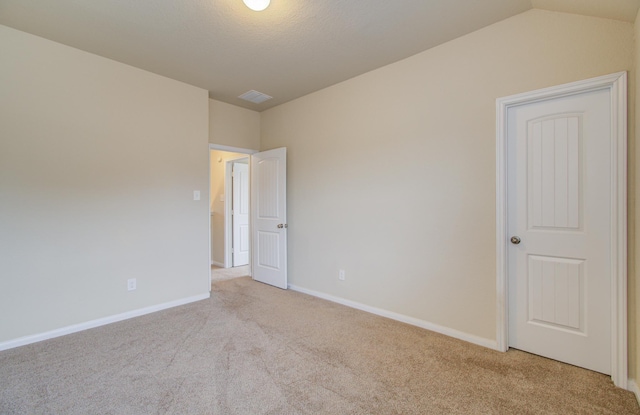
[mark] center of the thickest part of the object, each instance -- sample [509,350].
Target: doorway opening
[267,212]
[229,209]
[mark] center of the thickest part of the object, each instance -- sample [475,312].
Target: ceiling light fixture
[257,5]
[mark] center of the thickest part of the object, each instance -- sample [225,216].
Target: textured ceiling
[625,10]
[291,49]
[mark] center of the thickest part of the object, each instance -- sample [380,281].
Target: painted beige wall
[391,175]
[218,165]
[98,164]
[634,236]
[233,126]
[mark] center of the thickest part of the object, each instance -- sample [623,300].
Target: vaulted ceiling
[292,48]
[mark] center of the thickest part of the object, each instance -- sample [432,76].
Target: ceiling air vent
[255,97]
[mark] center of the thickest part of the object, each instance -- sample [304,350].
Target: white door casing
[227,190]
[269,217]
[561,177]
[240,212]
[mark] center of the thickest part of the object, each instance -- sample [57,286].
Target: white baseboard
[632,385]
[217,264]
[480,341]
[22,341]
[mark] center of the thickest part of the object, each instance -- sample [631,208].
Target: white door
[559,220]
[269,217]
[240,214]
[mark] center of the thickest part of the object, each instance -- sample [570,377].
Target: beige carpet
[254,349]
[221,274]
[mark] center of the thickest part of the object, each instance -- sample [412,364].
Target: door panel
[559,178]
[240,214]
[269,217]
[554,172]
[556,292]
[269,254]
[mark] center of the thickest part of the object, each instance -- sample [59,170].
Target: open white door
[269,217]
[240,212]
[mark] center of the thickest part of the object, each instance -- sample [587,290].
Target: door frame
[617,85]
[230,149]
[228,206]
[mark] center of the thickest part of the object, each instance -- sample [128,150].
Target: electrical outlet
[131,284]
[341,275]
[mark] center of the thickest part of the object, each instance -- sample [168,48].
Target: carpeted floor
[254,349]
[221,274]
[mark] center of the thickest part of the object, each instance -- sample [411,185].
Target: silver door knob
[282,225]
[515,240]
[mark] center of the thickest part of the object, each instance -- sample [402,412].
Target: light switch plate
[196,195]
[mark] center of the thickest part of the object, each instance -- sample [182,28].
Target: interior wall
[98,164]
[233,126]
[634,173]
[391,175]
[218,165]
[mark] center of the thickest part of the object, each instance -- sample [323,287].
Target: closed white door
[559,220]
[269,217]
[240,212]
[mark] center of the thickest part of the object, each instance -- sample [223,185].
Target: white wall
[98,163]
[233,126]
[391,175]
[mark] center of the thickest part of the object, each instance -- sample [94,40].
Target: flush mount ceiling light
[257,5]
